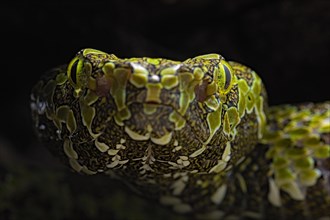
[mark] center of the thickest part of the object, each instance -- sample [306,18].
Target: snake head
[147,114]
[153,97]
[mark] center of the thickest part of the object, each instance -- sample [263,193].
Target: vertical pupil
[228,76]
[73,72]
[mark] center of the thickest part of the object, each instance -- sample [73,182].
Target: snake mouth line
[152,103]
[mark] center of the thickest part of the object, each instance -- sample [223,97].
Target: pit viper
[197,136]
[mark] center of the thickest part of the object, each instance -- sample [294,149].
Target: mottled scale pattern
[196,136]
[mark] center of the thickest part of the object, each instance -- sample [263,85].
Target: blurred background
[287,42]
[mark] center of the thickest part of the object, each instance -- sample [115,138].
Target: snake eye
[225,77]
[78,72]
[74,71]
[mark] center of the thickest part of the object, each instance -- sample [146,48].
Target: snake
[197,136]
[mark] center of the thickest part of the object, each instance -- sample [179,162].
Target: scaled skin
[183,133]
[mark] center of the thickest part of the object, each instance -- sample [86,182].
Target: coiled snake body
[192,135]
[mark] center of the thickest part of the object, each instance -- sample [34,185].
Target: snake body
[196,135]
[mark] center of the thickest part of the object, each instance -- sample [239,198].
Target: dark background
[286,42]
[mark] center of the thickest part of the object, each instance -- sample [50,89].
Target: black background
[286,42]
